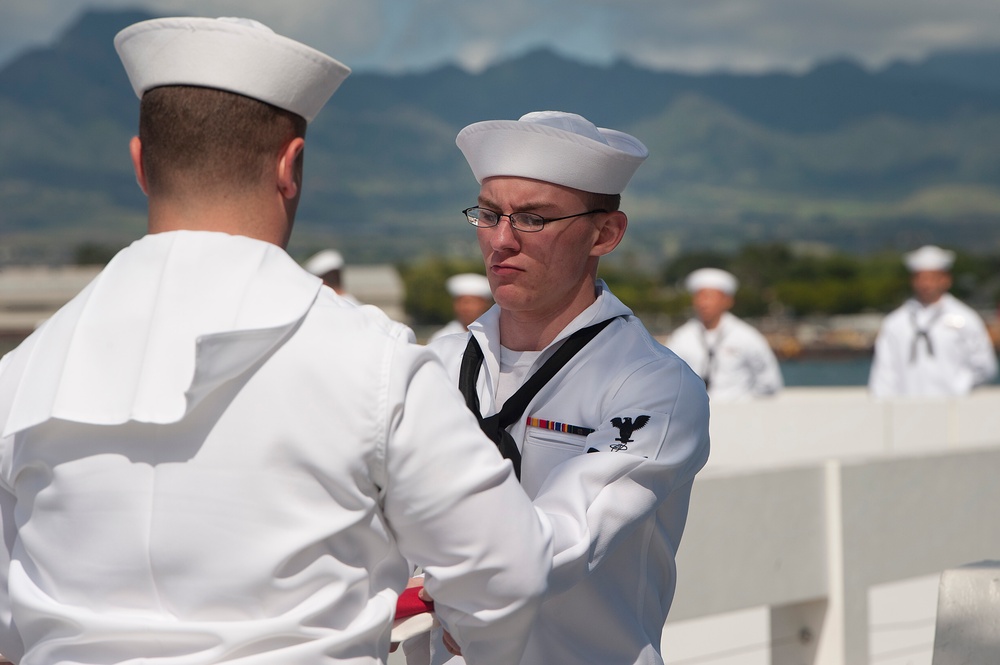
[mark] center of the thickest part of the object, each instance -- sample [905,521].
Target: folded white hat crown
[929,257]
[712,278]
[553,146]
[469,284]
[325,261]
[232,54]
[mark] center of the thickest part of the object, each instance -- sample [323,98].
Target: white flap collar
[486,329]
[171,318]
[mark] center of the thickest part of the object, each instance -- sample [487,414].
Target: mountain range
[839,156]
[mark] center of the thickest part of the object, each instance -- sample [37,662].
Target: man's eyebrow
[527,207]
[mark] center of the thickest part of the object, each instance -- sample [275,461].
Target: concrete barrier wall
[752,539]
[810,425]
[810,541]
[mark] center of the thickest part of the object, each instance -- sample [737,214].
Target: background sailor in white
[328,265]
[207,457]
[729,354]
[933,345]
[610,445]
[470,297]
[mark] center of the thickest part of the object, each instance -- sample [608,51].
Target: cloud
[735,35]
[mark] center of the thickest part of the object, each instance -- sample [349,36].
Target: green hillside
[861,161]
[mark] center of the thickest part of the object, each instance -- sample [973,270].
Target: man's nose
[503,235]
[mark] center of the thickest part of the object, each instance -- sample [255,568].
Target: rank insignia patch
[635,433]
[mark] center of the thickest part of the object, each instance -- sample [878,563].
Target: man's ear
[610,232]
[135,151]
[289,172]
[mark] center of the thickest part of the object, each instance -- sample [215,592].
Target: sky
[695,36]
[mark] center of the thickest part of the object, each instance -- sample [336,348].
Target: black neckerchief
[495,426]
[710,352]
[923,333]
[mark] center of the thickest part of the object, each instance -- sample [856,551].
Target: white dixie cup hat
[469,284]
[323,262]
[553,146]
[929,257]
[712,278]
[237,55]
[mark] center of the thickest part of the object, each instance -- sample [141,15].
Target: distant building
[378,285]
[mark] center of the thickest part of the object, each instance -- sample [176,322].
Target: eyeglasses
[528,222]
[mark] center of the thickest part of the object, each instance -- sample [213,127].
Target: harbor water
[826,372]
[830,372]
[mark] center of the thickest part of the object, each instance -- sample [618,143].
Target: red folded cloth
[409,603]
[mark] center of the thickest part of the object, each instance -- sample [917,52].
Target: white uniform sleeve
[981,356]
[654,440]
[883,379]
[457,511]
[767,372]
[10,640]
[686,344]
[11,647]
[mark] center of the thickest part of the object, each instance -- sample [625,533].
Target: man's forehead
[709,292]
[527,193]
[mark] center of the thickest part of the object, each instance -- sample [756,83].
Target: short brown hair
[609,202]
[201,140]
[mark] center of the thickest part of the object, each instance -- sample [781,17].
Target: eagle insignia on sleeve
[625,427]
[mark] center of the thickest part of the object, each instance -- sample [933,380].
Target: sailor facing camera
[933,345]
[606,426]
[470,298]
[729,354]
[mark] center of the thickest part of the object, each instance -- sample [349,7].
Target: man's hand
[450,644]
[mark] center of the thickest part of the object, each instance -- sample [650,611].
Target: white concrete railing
[968,615]
[814,497]
[816,424]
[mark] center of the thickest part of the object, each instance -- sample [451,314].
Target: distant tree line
[775,280]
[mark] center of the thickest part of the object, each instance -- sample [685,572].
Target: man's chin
[509,296]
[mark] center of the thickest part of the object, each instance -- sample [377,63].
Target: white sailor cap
[233,54]
[553,146]
[323,262]
[929,257]
[469,284]
[712,278]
